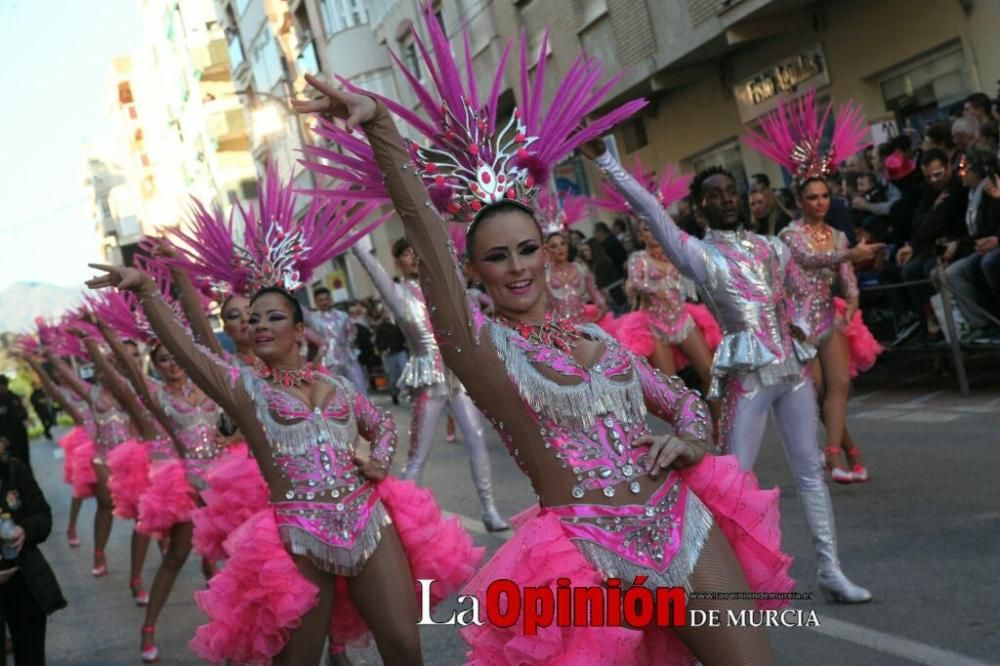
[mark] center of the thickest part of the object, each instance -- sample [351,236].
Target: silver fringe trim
[334,559]
[698,523]
[575,405]
[301,437]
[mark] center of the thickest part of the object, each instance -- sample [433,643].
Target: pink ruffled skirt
[258,599]
[235,491]
[129,466]
[68,443]
[636,331]
[169,500]
[862,346]
[82,473]
[542,551]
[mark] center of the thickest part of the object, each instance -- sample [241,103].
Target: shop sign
[760,93]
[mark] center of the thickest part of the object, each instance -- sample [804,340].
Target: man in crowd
[977,105]
[766,216]
[390,343]
[43,407]
[12,418]
[939,217]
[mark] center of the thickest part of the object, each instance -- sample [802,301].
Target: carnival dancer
[567,401]
[332,513]
[792,136]
[191,419]
[335,334]
[428,384]
[571,285]
[747,280]
[82,434]
[121,422]
[680,330]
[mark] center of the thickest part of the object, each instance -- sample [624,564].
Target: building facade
[177,129]
[709,68]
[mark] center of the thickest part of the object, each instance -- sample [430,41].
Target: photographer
[28,587]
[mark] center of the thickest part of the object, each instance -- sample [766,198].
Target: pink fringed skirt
[68,443]
[259,597]
[546,548]
[169,500]
[129,466]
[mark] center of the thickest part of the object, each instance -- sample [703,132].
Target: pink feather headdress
[792,136]
[473,159]
[672,186]
[276,248]
[122,312]
[557,213]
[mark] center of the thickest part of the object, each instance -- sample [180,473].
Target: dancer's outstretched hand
[124,279]
[351,107]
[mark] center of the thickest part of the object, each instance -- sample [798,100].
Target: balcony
[228,129]
[212,61]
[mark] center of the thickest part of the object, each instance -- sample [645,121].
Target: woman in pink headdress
[792,136]
[615,501]
[334,517]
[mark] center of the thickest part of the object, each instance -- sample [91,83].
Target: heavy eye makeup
[525,249]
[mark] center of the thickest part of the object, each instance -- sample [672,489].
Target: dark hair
[761,180]
[620,224]
[887,148]
[800,187]
[699,181]
[319,291]
[549,236]
[399,247]
[297,315]
[940,133]
[602,227]
[492,211]
[154,347]
[980,101]
[981,161]
[989,130]
[933,155]
[4,380]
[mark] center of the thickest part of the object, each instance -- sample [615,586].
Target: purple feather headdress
[557,213]
[277,249]
[473,159]
[792,136]
[672,186]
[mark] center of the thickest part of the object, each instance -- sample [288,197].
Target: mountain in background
[21,302]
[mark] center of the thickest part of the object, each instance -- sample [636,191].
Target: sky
[55,64]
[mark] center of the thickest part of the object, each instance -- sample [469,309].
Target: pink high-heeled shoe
[150,655]
[74,541]
[100,564]
[838,473]
[859,473]
[140,595]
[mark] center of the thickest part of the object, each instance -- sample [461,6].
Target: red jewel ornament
[287,378]
[552,332]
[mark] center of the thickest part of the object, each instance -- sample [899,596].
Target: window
[236,55]
[408,52]
[248,189]
[935,81]
[265,61]
[634,134]
[342,14]
[307,61]
[241,6]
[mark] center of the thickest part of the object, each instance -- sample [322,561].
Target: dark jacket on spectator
[389,339]
[12,418]
[616,253]
[987,224]
[840,217]
[21,497]
[946,221]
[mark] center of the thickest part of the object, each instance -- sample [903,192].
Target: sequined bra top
[113,425]
[592,426]
[82,408]
[659,285]
[314,448]
[196,426]
[567,299]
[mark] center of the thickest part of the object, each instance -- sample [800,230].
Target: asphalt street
[923,535]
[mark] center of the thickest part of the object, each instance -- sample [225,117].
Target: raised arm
[210,372]
[68,376]
[55,391]
[119,389]
[200,325]
[387,289]
[686,252]
[455,327]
